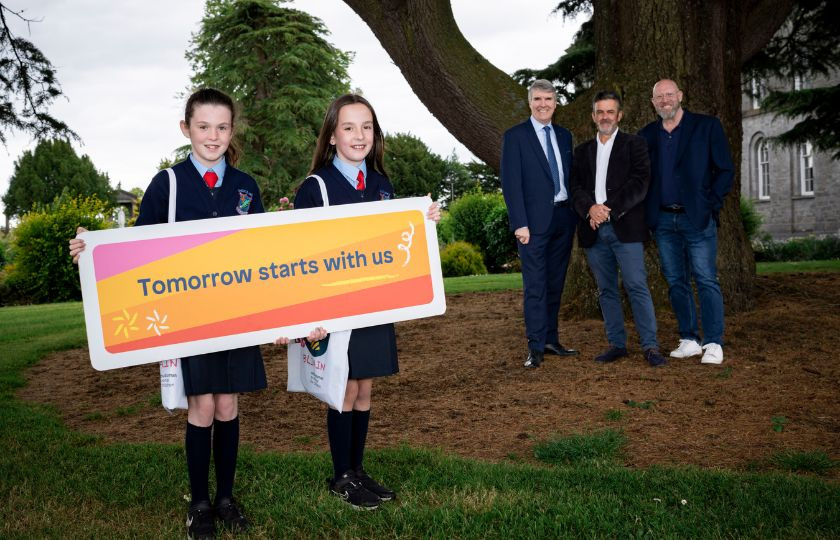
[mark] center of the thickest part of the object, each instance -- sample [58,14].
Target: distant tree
[457,181]
[484,176]
[178,155]
[276,63]
[28,86]
[574,72]
[412,167]
[52,169]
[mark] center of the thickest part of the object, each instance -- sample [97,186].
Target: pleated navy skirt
[373,352]
[224,372]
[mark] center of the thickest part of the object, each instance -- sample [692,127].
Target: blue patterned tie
[552,160]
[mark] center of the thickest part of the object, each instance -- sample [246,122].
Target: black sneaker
[374,487]
[231,515]
[351,490]
[200,522]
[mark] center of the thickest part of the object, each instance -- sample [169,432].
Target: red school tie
[211,178]
[360,181]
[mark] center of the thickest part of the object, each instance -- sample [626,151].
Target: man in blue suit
[536,160]
[691,172]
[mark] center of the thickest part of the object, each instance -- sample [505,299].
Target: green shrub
[471,215]
[461,259]
[445,232]
[5,252]
[42,270]
[808,248]
[500,254]
[750,218]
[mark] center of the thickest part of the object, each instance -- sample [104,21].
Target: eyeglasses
[667,95]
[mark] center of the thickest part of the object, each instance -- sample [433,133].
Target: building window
[806,168]
[758,91]
[763,169]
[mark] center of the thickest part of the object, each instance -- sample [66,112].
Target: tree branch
[461,88]
[762,19]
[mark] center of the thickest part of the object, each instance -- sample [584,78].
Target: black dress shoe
[611,355]
[534,360]
[559,350]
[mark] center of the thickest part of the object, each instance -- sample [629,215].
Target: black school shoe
[374,487]
[201,524]
[231,515]
[351,490]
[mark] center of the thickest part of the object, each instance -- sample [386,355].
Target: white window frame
[762,155]
[758,91]
[806,168]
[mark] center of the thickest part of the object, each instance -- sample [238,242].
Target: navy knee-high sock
[197,446]
[339,430]
[225,449]
[361,419]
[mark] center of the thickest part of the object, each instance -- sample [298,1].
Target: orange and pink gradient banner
[172,290]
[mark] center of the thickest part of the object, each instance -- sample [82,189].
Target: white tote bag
[320,368]
[172,394]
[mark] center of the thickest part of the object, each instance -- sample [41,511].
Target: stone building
[795,189]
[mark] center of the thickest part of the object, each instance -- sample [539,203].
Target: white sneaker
[713,354]
[687,347]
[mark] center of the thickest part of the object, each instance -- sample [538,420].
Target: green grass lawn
[55,483]
[498,282]
[832,265]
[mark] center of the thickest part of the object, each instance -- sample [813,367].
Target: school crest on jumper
[384,195]
[244,203]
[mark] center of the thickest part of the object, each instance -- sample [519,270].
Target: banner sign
[179,289]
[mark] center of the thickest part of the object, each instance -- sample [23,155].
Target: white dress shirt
[562,195]
[602,162]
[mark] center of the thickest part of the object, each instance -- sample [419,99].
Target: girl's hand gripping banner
[179,289]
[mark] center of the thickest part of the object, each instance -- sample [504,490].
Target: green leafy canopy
[276,63]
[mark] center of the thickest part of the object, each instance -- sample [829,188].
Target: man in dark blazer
[610,177]
[536,160]
[691,172]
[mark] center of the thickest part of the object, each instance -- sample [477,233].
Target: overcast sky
[121,65]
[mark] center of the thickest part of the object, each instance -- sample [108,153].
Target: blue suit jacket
[704,168]
[526,178]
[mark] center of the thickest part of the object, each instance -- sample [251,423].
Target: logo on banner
[316,348]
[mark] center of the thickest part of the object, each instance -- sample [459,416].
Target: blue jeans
[606,257]
[686,252]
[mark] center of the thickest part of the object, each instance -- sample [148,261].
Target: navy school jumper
[222,372]
[372,350]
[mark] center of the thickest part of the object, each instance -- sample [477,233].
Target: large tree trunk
[701,45]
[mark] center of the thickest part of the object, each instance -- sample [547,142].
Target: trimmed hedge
[809,248]
[461,259]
